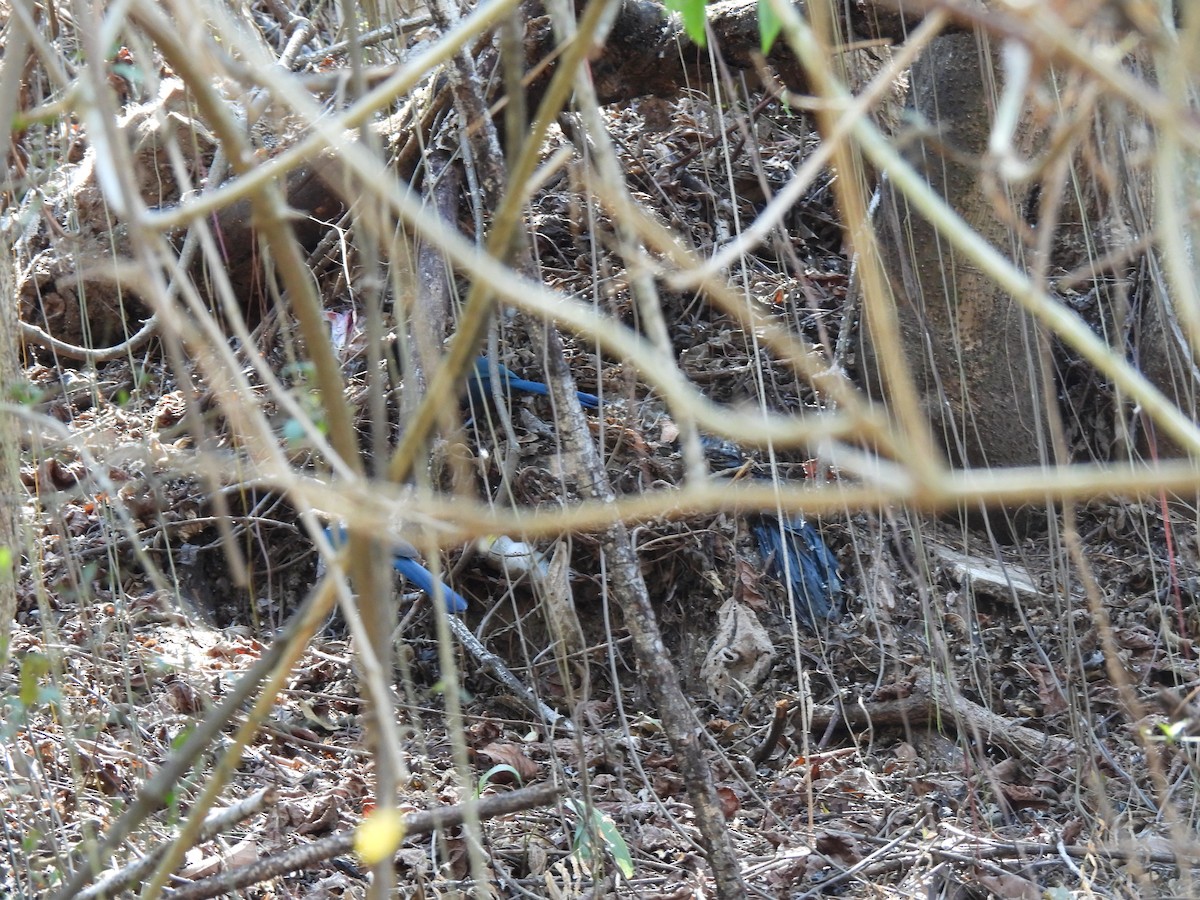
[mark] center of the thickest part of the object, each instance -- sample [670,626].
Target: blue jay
[405,562]
[481,384]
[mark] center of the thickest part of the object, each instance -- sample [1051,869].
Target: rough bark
[659,677]
[970,346]
[1162,350]
[11,492]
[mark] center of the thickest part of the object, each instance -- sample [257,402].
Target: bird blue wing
[412,571]
[514,383]
[423,579]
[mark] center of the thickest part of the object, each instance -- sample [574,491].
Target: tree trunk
[970,346]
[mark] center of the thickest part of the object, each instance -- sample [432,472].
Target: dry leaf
[730,803]
[505,753]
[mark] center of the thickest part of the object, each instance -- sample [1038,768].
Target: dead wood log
[312,194]
[647,52]
[933,700]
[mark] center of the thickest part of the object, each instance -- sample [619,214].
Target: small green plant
[301,374]
[595,832]
[1177,732]
[491,773]
[24,394]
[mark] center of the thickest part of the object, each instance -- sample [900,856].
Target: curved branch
[33,334]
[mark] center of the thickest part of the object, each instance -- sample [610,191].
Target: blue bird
[722,455]
[796,554]
[405,562]
[792,550]
[481,384]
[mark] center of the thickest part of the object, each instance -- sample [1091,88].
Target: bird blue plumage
[796,554]
[405,562]
[424,580]
[481,384]
[793,550]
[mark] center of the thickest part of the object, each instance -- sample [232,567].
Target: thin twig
[343,842]
[492,663]
[216,823]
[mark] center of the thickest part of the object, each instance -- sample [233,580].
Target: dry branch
[343,842]
[934,699]
[658,673]
[216,823]
[154,794]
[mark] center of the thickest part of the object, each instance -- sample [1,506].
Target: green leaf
[171,802]
[33,668]
[692,12]
[491,773]
[180,739]
[606,830]
[617,847]
[769,25]
[24,393]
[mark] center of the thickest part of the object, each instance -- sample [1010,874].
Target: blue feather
[405,562]
[423,579]
[481,384]
[796,554]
